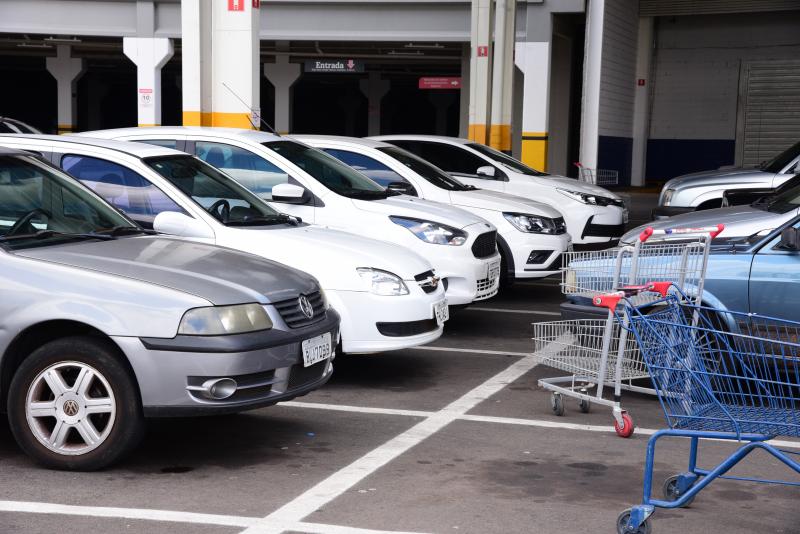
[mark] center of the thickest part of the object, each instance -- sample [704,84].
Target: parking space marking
[357,409]
[344,479]
[476,351]
[503,310]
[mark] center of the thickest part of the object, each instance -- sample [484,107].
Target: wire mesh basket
[597,176]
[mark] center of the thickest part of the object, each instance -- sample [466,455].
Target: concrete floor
[456,437]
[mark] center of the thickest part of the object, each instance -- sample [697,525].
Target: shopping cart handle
[578,164]
[646,233]
[609,300]
[661,288]
[712,231]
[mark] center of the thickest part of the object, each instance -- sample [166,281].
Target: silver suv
[102,324]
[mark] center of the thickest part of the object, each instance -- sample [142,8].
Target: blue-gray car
[102,324]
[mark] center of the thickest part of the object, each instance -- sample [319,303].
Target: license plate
[316,349]
[494,270]
[441,311]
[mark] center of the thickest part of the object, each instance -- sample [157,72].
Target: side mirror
[790,239]
[290,194]
[486,170]
[402,188]
[180,224]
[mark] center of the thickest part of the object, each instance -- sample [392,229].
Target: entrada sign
[334,65]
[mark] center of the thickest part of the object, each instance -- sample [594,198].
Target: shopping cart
[719,375]
[598,353]
[597,176]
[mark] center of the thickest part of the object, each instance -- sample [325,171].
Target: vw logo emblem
[305,306]
[71,408]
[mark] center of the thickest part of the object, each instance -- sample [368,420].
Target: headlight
[383,282]
[431,232]
[590,198]
[535,224]
[666,198]
[222,320]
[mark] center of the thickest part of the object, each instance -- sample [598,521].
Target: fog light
[538,256]
[219,388]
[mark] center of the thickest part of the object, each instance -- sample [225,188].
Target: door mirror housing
[790,239]
[180,224]
[402,188]
[290,194]
[486,170]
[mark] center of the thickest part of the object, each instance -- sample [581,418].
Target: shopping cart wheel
[584,405]
[626,429]
[671,492]
[622,524]
[557,404]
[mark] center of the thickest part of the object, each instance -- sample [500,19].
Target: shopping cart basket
[597,176]
[599,353]
[719,375]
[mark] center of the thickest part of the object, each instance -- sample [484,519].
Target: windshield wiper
[117,231]
[43,234]
[264,220]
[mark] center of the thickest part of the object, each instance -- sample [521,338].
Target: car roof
[454,140]
[139,150]
[252,135]
[365,141]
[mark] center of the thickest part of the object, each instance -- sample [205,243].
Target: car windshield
[41,206]
[779,162]
[329,171]
[431,173]
[226,200]
[785,199]
[508,161]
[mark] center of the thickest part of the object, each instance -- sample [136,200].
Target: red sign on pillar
[483,51]
[235,5]
[440,82]
[640,82]
[256,4]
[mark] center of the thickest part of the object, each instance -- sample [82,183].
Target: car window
[367,165]
[776,164]
[121,187]
[249,169]
[450,158]
[505,159]
[425,169]
[166,143]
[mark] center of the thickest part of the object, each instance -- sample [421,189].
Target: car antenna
[265,123]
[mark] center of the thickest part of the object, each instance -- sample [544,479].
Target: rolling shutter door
[661,8]
[769,111]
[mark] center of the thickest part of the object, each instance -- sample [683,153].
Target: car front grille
[294,317]
[408,328]
[602,230]
[485,245]
[300,376]
[427,281]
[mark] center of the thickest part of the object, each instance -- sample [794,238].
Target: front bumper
[593,224]
[662,212]
[533,255]
[267,367]
[361,312]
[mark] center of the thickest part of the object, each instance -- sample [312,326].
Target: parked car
[705,190]
[9,125]
[531,235]
[593,214]
[102,324]
[311,184]
[388,297]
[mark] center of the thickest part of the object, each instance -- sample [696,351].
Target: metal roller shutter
[769,110]
[656,8]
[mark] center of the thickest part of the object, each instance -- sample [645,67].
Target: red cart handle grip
[662,288]
[646,233]
[609,300]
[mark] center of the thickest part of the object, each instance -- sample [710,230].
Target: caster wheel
[557,404]
[622,525]
[626,429]
[584,405]
[671,492]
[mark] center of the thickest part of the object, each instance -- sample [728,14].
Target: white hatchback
[593,214]
[531,235]
[308,183]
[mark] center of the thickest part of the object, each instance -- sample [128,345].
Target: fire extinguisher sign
[236,5]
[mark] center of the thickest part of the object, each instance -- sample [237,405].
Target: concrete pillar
[66,70]
[592,67]
[480,70]
[441,101]
[463,116]
[282,75]
[641,102]
[149,54]
[502,76]
[533,60]
[220,63]
[374,89]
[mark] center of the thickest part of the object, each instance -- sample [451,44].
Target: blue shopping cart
[719,375]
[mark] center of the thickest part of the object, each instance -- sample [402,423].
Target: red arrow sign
[440,82]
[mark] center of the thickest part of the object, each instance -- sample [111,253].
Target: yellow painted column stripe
[477,133]
[500,137]
[534,150]
[65,129]
[217,118]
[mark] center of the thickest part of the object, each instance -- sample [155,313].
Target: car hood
[738,220]
[220,275]
[331,256]
[496,201]
[408,206]
[737,176]
[573,185]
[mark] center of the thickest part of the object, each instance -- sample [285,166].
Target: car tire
[96,412]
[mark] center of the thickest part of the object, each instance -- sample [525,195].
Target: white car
[593,214]
[308,183]
[388,297]
[531,235]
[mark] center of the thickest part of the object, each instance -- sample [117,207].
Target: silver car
[705,190]
[102,324]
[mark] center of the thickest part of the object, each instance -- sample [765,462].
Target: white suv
[531,235]
[308,183]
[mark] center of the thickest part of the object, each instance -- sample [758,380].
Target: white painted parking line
[357,409]
[344,479]
[474,351]
[504,310]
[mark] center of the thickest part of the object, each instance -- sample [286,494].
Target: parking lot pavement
[453,437]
